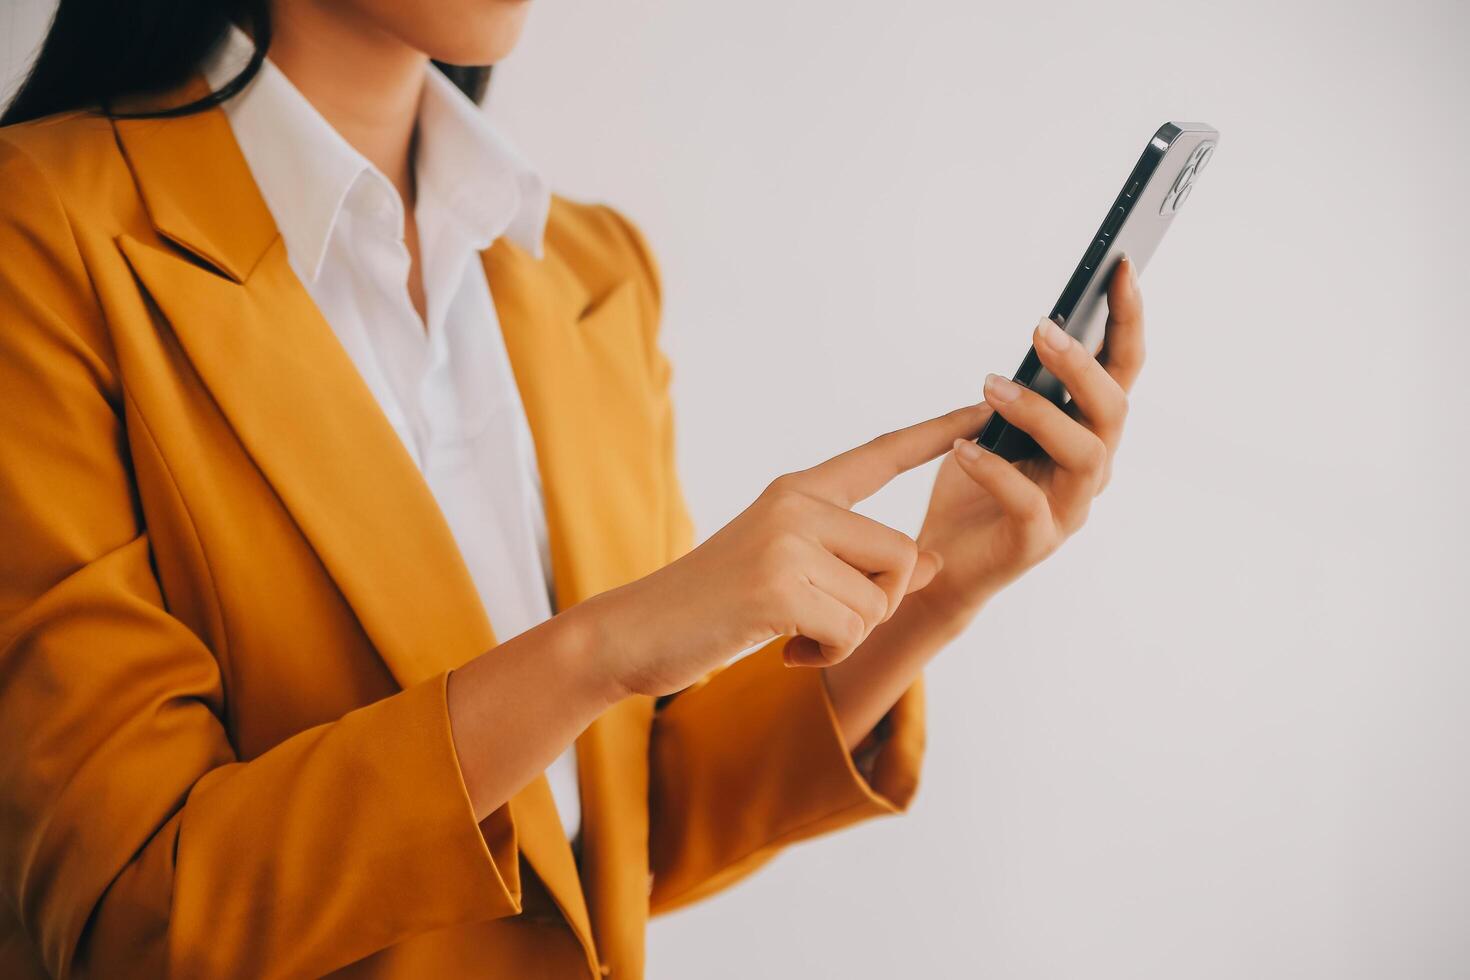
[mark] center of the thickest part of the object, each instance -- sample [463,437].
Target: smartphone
[1144,209]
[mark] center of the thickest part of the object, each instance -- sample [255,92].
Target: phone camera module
[1184,183]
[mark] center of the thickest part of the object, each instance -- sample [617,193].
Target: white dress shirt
[445,385]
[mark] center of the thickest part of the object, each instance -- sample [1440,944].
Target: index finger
[1122,353]
[859,473]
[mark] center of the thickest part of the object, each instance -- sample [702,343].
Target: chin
[478,33]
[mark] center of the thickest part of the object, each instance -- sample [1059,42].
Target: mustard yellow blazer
[229,603]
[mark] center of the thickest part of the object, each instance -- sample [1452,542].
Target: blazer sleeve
[132,840]
[752,758]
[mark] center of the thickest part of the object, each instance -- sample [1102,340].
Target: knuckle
[776,562]
[881,443]
[785,502]
[1095,457]
[782,486]
[833,654]
[875,607]
[1041,539]
[905,553]
[884,449]
[1138,347]
[1072,363]
[1077,518]
[1036,513]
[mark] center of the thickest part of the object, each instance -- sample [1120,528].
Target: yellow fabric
[228,606]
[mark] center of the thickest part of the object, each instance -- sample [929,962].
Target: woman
[307,382]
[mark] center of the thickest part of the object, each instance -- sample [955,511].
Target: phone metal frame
[1134,225]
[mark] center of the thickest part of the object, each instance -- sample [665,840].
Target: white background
[1224,733]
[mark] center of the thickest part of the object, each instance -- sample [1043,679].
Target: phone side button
[1095,254]
[1114,220]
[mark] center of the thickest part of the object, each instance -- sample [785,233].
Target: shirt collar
[306,170]
[475,172]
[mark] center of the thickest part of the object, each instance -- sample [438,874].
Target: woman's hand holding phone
[991,520]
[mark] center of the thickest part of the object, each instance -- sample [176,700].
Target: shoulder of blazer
[603,248]
[77,155]
[64,190]
[63,140]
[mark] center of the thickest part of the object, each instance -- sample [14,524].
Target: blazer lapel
[580,364]
[294,398]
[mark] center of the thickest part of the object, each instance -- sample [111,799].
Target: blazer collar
[197,186]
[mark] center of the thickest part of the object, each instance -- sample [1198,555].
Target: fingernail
[1132,271]
[1053,336]
[967,450]
[1001,389]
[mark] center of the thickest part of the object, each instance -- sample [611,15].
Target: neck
[364,82]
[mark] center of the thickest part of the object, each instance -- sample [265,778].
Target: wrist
[865,686]
[945,610]
[582,644]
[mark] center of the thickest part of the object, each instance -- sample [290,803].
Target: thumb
[925,569]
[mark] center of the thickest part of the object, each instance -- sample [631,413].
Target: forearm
[867,684]
[514,709]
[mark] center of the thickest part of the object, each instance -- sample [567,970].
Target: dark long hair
[98,52]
